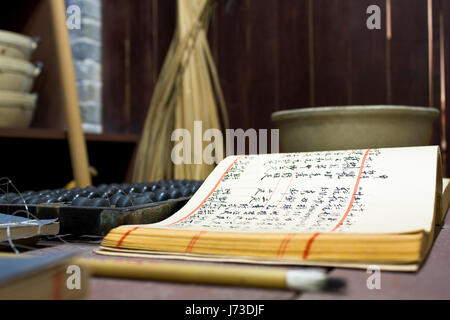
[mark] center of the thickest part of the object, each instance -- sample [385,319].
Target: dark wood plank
[263,43]
[436,74]
[141,63]
[445,7]
[409,53]
[293,55]
[151,28]
[332,60]
[165,24]
[114,37]
[232,53]
[52,134]
[367,55]
[32,133]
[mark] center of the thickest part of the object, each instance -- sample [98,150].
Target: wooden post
[77,143]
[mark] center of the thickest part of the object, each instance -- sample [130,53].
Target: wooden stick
[77,143]
[217,274]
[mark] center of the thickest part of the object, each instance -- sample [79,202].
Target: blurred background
[270,54]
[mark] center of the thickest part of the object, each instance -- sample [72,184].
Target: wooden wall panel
[233,58]
[136,36]
[409,53]
[445,5]
[268,61]
[294,72]
[114,28]
[142,59]
[367,55]
[332,61]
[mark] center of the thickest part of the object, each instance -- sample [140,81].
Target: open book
[338,208]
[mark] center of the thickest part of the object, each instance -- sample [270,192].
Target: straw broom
[187,90]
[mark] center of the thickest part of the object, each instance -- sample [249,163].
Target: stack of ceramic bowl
[17,75]
[87,51]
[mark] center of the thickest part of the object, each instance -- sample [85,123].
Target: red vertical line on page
[271,195]
[352,199]
[119,243]
[194,239]
[281,248]
[308,245]
[283,194]
[209,194]
[284,244]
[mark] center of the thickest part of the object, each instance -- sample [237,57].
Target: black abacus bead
[112,189]
[18,200]
[175,194]
[69,195]
[162,196]
[151,194]
[124,201]
[93,194]
[44,192]
[82,202]
[144,189]
[62,198]
[185,192]
[100,202]
[113,200]
[106,195]
[51,199]
[142,200]
[155,188]
[35,200]
[194,188]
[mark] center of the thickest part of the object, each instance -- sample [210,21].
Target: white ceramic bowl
[15,45]
[17,75]
[16,109]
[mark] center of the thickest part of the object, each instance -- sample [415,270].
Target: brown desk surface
[431,282]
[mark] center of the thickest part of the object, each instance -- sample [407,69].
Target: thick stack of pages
[338,208]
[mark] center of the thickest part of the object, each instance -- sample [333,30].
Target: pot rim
[292,114]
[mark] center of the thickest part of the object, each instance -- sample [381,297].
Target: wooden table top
[431,282]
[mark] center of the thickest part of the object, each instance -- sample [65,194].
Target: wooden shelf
[52,134]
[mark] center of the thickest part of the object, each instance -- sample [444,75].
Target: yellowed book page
[357,191]
[228,259]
